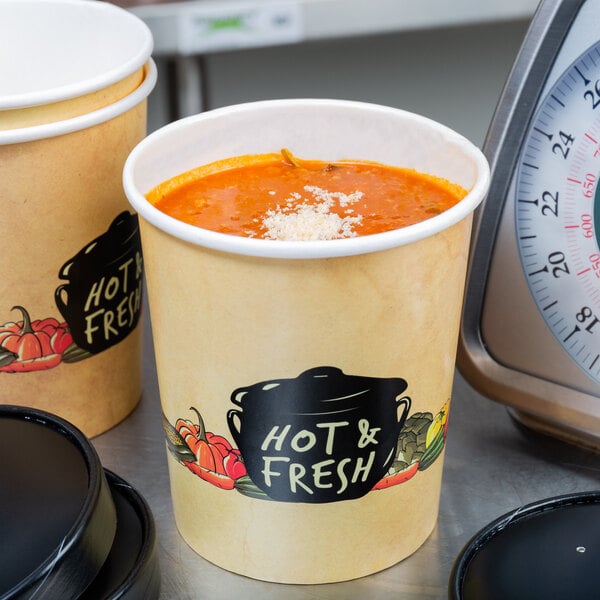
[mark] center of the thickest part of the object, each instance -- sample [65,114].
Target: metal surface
[492,466]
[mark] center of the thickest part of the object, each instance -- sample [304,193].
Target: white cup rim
[101,115]
[302,249]
[120,68]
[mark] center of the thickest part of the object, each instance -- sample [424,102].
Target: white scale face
[534,290]
[554,200]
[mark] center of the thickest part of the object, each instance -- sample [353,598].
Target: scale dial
[530,333]
[556,210]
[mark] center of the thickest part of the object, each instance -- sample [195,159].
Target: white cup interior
[318,129]
[53,50]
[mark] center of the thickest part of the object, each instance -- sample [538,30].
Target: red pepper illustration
[397,477]
[37,345]
[214,454]
[234,465]
[222,481]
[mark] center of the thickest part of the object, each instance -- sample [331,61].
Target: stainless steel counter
[491,467]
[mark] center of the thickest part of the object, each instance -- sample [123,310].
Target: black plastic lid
[548,550]
[131,571]
[57,515]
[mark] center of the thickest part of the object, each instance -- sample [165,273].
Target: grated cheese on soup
[304,219]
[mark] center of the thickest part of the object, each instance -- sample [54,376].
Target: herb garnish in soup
[282,197]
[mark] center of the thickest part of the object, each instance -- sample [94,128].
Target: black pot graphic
[323,436]
[102,297]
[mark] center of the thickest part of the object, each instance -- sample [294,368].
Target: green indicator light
[226,23]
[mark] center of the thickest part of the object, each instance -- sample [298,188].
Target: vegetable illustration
[7,357]
[432,451]
[247,487]
[74,354]
[435,439]
[218,479]
[420,443]
[396,477]
[36,345]
[212,457]
[176,444]
[206,454]
[439,422]
[412,440]
[234,465]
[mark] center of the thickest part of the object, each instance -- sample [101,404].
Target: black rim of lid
[481,539]
[72,566]
[143,580]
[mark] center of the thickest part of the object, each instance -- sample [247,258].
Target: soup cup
[303,459]
[71,282]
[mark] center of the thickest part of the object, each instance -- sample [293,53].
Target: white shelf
[205,26]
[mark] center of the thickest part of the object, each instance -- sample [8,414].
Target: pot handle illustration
[238,394]
[58,298]
[233,427]
[402,407]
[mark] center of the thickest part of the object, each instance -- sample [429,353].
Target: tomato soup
[281,197]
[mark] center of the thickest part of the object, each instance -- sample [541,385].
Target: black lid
[57,515]
[131,571]
[546,550]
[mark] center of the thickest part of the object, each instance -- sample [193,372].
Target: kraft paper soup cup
[71,279]
[321,371]
[64,58]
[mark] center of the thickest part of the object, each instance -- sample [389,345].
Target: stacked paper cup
[76,76]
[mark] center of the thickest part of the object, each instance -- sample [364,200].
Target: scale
[530,335]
